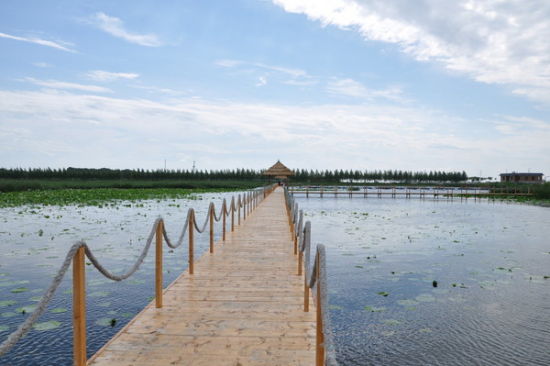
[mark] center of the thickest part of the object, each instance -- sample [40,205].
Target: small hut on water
[279,173]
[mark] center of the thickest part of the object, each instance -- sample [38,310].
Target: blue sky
[370,84]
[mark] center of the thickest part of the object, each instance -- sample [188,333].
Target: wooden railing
[76,256]
[316,277]
[406,191]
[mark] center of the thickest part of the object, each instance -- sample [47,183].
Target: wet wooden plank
[242,306]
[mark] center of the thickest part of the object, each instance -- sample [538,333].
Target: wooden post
[239,211]
[79,308]
[158,265]
[211,218]
[306,290]
[245,205]
[224,211]
[233,215]
[191,242]
[295,244]
[300,262]
[320,352]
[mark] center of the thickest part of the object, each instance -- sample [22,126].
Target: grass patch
[16,185]
[95,197]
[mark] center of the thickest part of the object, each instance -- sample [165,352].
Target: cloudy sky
[352,84]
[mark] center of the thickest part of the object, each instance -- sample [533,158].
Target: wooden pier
[393,192]
[243,305]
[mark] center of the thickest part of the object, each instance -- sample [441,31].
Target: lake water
[34,242]
[491,305]
[436,282]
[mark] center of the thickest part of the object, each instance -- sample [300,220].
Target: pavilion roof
[279,170]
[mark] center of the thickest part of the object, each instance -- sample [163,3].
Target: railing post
[245,205]
[239,211]
[79,308]
[224,211]
[233,214]
[306,288]
[191,242]
[320,353]
[158,265]
[211,218]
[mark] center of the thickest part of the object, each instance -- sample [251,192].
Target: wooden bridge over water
[242,306]
[246,302]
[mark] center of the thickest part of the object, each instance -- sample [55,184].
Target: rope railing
[315,279]
[78,251]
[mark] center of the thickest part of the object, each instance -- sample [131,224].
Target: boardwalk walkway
[242,306]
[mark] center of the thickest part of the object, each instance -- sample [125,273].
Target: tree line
[301,175]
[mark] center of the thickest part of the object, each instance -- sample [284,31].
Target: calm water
[33,244]
[491,305]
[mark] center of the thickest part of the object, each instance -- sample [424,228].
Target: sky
[333,84]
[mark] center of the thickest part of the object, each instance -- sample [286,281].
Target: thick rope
[182,235]
[201,230]
[134,267]
[16,335]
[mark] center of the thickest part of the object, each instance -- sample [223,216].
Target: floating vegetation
[6,303]
[106,322]
[95,197]
[19,290]
[425,330]
[26,309]
[13,283]
[383,293]
[4,328]
[49,325]
[99,294]
[9,314]
[374,309]
[335,307]
[58,310]
[391,322]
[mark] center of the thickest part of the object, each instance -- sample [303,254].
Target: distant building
[521,177]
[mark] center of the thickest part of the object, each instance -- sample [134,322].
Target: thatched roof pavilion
[279,171]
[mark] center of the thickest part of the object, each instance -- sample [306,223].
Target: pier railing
[315,279]
[244,203]
[406,191]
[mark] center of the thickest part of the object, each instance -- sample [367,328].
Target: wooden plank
[242,306]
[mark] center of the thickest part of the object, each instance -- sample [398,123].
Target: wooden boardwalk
[242,306]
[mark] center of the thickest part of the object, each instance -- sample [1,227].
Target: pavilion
[279,172]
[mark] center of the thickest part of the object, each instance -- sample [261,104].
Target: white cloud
[56,84]
[41,64]
[298,76]
[100,75]
[58,45]
[228,63]
[115,27]
[262,80]
[352,88]
[142,132]
[492,41]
